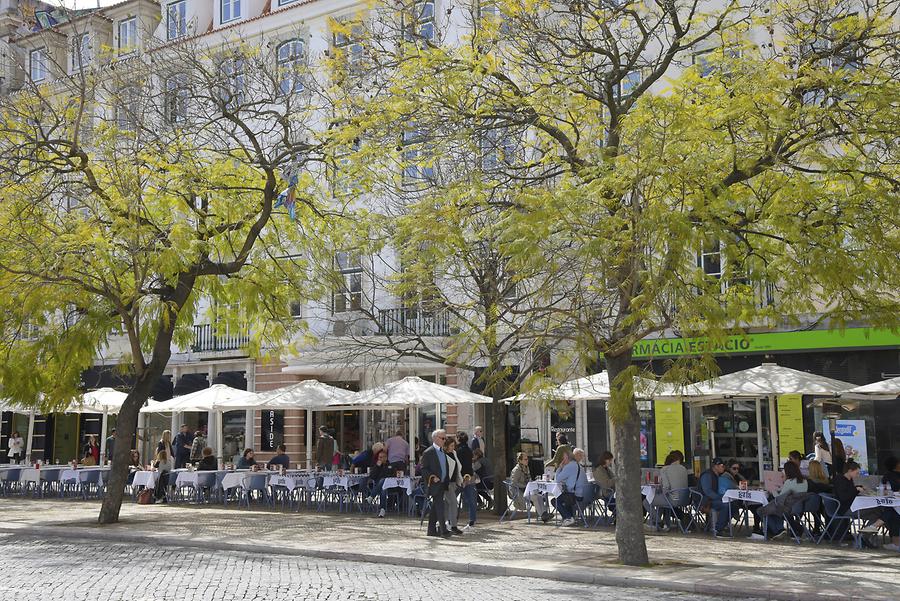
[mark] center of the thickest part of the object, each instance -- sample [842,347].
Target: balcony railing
[206,339]
[413,322]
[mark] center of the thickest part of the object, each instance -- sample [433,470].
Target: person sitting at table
[796,457]
[603,474]
[712,499]
[208,462]
[363,460]
[838,456]
[818,482]
[519,477]
[672,477]
[397,449]
[727,481]
[280,458]
[588,495]
[573,481]
[888,515]
[844,489]
[377,475]
[246,461]
[794,484]
[134,465]
[164,464]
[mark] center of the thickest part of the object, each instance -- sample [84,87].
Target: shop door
[66,445]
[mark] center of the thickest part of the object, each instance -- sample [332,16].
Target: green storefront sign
[770,342]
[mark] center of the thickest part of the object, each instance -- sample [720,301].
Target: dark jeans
[565,503]
[724,513]
[468,495]
[18,458]
[162,483]
[436,517]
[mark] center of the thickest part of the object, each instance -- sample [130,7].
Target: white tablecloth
[551,489]
[758,497]
[292,481]
[868,502]
[147,479]
[187,478]
[234,479]
[346,481]
[649,491]
[81,473]
[404,482]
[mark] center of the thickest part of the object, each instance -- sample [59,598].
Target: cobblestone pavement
[37,569]
[693,563]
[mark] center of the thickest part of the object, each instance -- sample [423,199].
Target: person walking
[16,445]
[91,452]
[435,475]
[324,449]
[467,471]
[455,481]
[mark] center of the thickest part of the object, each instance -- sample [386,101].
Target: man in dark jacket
[434,478]
[464,454]
[709,485]
[182,445]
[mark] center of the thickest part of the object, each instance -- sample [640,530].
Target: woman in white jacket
[455,481]
[16,447]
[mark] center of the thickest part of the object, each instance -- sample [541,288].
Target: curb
[567,575]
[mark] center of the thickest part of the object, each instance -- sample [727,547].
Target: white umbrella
[766,380]
[596,387]
[413,391]
[885,390]
[202,400]
[308,394]
[102,400]
[410,393]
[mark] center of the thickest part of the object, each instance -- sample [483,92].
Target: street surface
[36,569]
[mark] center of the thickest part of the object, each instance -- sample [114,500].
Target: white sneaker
[568,522]
[381,513]
[468,529]
[891,547]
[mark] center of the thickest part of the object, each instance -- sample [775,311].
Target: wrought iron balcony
[413,322]
[206,339]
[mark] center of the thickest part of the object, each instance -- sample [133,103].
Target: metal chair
[514,494]
[834,519]
[675,503]
[255,483]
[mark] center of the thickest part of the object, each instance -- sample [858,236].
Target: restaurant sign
[768,342]
[272,430]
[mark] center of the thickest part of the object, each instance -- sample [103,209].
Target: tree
[712,165]
[140,193]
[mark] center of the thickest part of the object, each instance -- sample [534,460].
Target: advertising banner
[852,433]
[669,428]
[790,425]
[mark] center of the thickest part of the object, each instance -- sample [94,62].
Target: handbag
[145,497]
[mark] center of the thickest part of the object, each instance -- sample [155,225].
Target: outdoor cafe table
[144,478]
[80,474]
[292,481]
[551,489]
[403,482]
[346,481]
[868,502]
[747,497]
[649,491]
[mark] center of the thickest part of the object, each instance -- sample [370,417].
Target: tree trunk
[126,425]
[498,453]
[626,423]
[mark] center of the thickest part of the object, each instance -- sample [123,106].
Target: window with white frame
[126,108]
[709,259]
[421,27]
[176,19]
[81,52]
[231,10]
[417,167]
[498,148]
[176,99]
[629,82]
[348,297]
[234,84]
[127,34]
[290,58]
[37,64]
[349,42]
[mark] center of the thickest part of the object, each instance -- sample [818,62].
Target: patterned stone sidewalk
[694,563]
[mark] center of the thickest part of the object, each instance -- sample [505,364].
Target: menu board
[669,428]
[790,425]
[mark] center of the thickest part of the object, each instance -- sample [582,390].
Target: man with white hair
[477,441]
[587,495]
[435,475]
